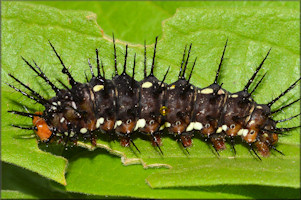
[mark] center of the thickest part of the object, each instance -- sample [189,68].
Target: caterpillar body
[123,106]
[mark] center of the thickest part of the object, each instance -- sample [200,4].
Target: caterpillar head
[42,129]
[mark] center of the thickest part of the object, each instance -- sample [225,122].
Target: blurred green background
[136,21]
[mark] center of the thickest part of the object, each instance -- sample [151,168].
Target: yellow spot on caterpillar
[234,96]
[163,110]
[147,85]
[172,87]
[97,88]
[207,91]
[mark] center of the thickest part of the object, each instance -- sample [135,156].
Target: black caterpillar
[122,106]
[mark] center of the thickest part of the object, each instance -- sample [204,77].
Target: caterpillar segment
[208,106]
[122,106]
[179,100]
[152,93]
[127,94]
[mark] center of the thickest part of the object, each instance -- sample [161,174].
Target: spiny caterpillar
[122,106]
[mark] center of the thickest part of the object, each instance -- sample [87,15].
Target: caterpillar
[123,106]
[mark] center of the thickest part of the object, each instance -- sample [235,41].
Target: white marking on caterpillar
[259,107]
[72,134]
[221,91]
[147,85]
[234,96]
[249,140]
[190,126]
[59,103]
[99,122]
[167,124]
[207,125]
[62,120]
[83,130]
[245,132]
[224,127]
[74,105]
[219,130]
[140,124]
[162,127]
[197,126]
[252,122]
[207,91]
[66,133]
[117,123]
[92,95]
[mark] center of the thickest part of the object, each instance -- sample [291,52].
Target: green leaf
[110,178]
[18,183]
[251,32]
[10,194]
